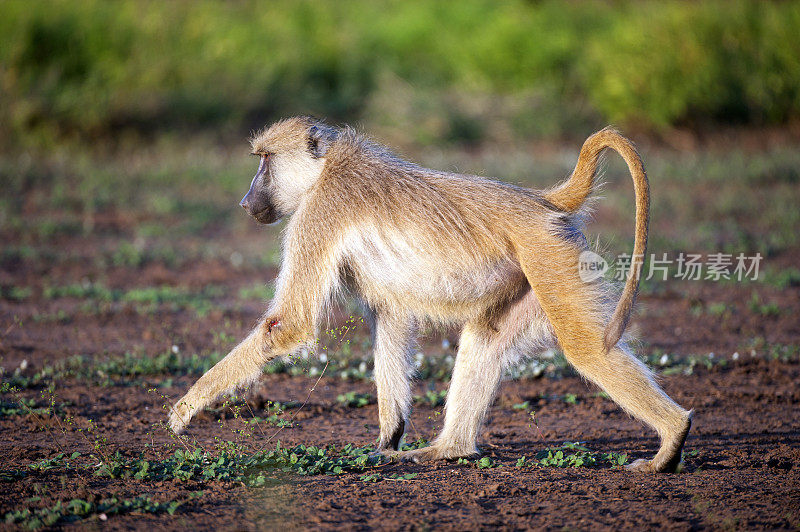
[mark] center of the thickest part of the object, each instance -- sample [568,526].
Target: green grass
[22,406]
[702,202]
[229,462]
[774,351]
[257,291]
[757,306]
[145,299]
[189,466]
[718,309]
[782,279]
[15,293]
[668,364]
[127,369]
[139,368]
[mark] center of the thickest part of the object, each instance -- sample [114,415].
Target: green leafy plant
[15,293]
[77,509]
[416,444]
[432,398]
[230,463]
[354,399]
[484,462]
[21,407]
[572,454]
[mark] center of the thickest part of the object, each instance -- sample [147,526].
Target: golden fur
[422,246]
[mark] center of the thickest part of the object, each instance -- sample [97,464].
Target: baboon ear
[320,138]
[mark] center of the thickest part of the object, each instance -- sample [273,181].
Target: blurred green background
[440,71]
[127,121]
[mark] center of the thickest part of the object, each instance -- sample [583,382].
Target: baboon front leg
[575,313]
[303,285]
[241,365]
[394,342]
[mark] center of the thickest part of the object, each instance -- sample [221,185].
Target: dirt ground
[741,459]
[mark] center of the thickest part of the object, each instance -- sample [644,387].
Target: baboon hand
[180,415]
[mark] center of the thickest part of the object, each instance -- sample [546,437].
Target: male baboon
[423,246]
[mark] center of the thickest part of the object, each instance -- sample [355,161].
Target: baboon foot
[640,466]
[430,454]
[669,457]
[643,465]
[418,456]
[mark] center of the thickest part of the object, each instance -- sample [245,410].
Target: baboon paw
[429,454]
[640,466]
[649,466]
[418,456]
[179,417]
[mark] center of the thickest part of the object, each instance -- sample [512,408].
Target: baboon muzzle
[247,204]
[257,201]
[259,208]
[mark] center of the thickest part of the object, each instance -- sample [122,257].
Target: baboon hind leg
[394,342]
[574,310]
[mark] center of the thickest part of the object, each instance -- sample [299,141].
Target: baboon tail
[572,193]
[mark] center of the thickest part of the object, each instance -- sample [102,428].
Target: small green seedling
[354,399]
[431,398]
[480,463]
[573,454]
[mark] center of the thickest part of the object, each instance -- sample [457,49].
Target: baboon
[420,246]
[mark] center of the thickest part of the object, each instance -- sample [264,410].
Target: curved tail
[572,193]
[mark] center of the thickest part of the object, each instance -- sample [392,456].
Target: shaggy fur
[423,246]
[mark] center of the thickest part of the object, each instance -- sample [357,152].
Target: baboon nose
[243,203]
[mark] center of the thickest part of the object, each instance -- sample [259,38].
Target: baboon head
[291,158]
